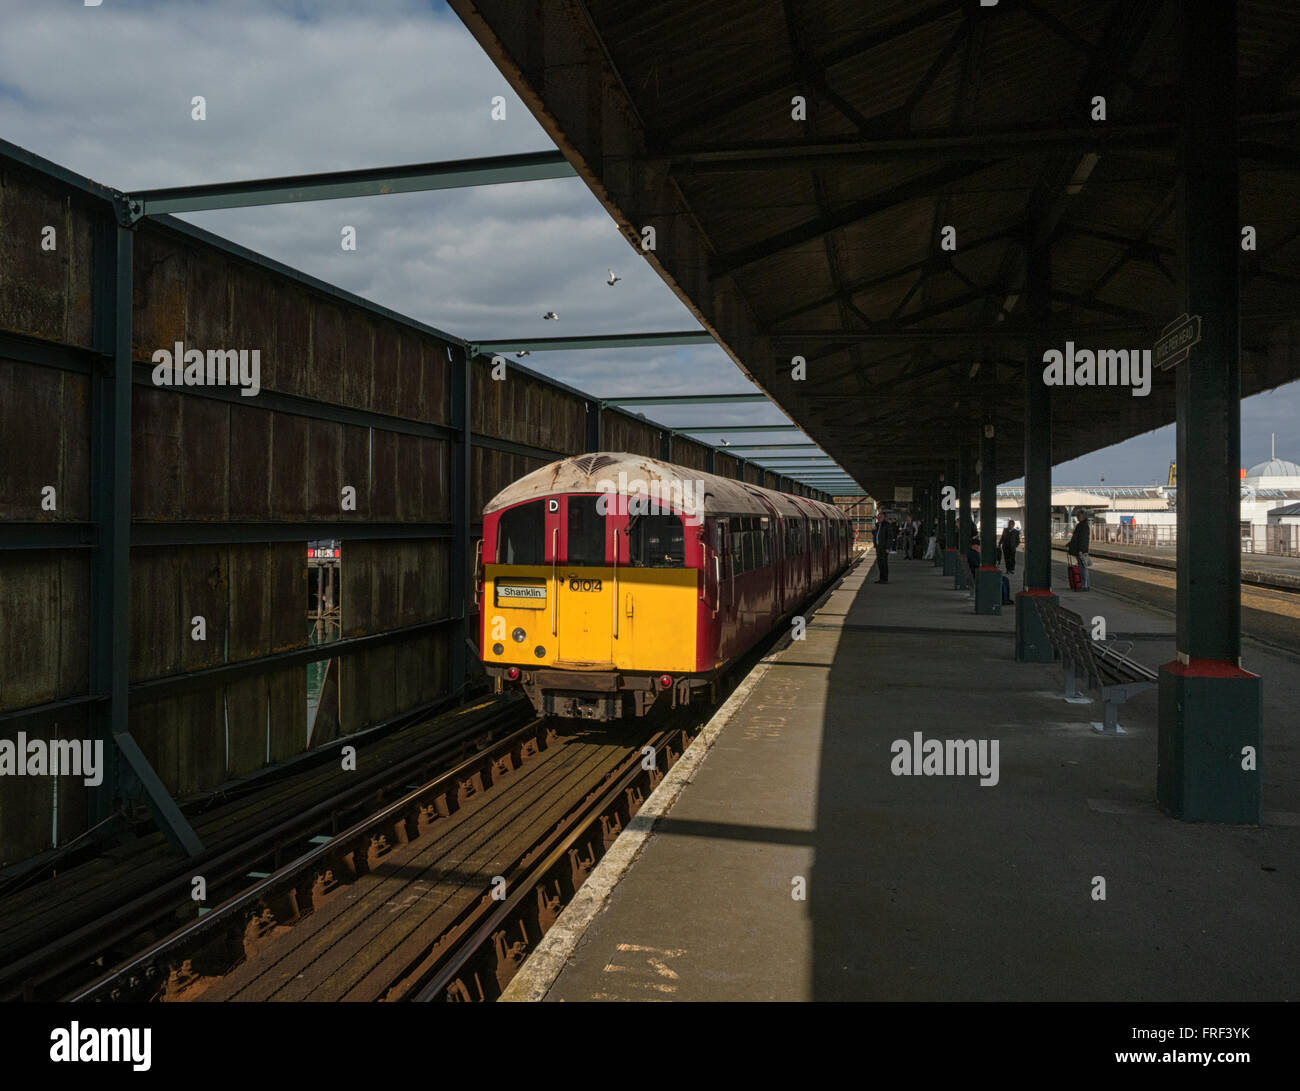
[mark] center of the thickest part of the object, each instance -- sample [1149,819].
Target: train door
[712,562]
[585,585]
[726,579]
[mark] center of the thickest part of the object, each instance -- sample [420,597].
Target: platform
[935,887]
[1261,569]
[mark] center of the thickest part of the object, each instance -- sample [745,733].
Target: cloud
[296,86]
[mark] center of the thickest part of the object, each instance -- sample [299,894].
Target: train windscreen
[586,531]
[521,535]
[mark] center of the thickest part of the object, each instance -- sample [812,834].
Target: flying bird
[522,353]
[550,315]
[725,443]
[612,279]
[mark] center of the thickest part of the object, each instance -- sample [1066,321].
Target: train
[610,583]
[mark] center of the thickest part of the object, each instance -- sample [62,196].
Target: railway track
[439,895]
[81,954]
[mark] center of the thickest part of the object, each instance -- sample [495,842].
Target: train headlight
[498,649]
[519,636]
[665,680]
[512,673]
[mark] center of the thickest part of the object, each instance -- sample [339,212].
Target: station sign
[903,493]
[1177,340]
[323,554]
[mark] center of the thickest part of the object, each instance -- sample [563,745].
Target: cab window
[586,528]
[656,541]
[521,534]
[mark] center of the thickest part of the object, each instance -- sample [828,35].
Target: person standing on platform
[885,538]
[1010,543]
[908,537]
[1078,550]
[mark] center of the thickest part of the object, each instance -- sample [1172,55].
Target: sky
[293,87]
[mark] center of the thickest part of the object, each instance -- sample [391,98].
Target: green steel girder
[770,446]
[686,399]
[669,338]
[374,181]
[713,430]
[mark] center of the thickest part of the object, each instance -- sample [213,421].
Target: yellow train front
[609,583]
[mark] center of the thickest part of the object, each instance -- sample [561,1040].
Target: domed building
[1276,473]
[1265,489]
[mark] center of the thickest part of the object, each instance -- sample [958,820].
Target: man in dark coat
[1077,550]
[1009,543]
[886,536]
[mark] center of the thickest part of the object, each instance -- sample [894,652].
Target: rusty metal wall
[624,432]
[203,463]
[686,452]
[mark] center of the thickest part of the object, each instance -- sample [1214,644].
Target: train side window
[749,550]
[521,534]
[656,541]
[738,548]
[586,531]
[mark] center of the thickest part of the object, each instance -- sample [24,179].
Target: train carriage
[609,583]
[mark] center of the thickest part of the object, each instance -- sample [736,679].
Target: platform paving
[935,887]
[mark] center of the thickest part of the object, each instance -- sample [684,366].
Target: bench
[1102,664]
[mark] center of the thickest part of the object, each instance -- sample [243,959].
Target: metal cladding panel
[44,601]
[26,823]
[324,377]
[45,430]
[323,469]
[43,293]
[155,454]
[207,311]
[254,320]
[204,592]
[621,432]
[526,410]
[250,457]
[358,373]
[688,453]
[268,599]
[251,597]
[387,394]
[428,361]
[387,585]
[184,739]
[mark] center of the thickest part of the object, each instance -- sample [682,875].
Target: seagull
[522,353]
[725,443]
[550,315]
[612,279]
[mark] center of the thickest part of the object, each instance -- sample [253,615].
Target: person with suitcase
[1077,551]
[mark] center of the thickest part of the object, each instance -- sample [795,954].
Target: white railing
[1272,539]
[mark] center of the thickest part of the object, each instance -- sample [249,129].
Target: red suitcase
[1076,581]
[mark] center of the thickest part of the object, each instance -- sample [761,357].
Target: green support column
[1209,756]
[950,520]
[593,428]
[128,773]
[988,578]
[965,474]
[1032,645]
[935,525]
[462,515]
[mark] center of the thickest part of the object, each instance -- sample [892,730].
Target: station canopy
[819,231]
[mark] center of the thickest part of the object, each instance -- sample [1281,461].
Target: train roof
[619,472]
